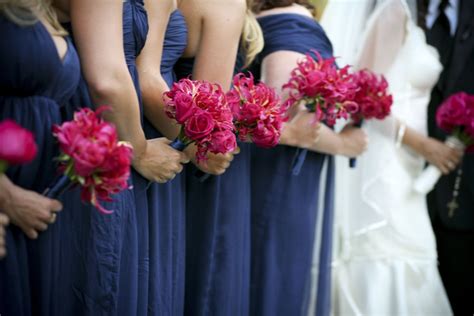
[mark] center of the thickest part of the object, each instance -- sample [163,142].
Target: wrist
[287,135]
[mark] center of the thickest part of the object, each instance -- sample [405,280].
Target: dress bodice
[294,32]
[174,45]
[291,32]
[135,29]
[412,76]
[33,65]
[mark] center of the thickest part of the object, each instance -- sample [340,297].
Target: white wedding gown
[385,260]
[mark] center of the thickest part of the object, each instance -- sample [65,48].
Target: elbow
[109,85]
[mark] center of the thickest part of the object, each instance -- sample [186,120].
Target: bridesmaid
[38,71]
[106,260]
[284,206]
[218,210]
[165,43]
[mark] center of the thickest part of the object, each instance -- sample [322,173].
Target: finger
[41,226]
[236,151]
[52,218]
[2,231]
[4,220]
[2,242]
[225,165]
[443,169]
[178,168]
[183,158]
[3,252]
[31,233]
[55,206]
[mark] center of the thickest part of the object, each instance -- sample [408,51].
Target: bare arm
[104,66]
[222,23]
[301,131]
[152,83]
[98,33]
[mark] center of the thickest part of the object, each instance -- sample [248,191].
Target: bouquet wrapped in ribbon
[17,145]
[325,90]
[372,98]
[202,110]
[456,117]
[258,113]
[91,157]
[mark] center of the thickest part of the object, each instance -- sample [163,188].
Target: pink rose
[266,136]
[199,126]
[184,107]
[17,145]
[222,142]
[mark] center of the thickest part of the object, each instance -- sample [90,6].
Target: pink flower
[200,125]
[17,145]
[325,89]
[372,96]
[201,109]
[93,157]
[222,142]
[456,116]
[257,111]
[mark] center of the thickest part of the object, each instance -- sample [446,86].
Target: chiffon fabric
[285,206]
[105,258]
[386,262]
[34,82]
[167,221]
[218,234]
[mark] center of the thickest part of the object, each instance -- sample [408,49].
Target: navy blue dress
[34,81]
[167,221]
[105,258]
[284,206]
[218,235]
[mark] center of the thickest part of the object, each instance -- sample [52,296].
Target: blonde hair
[27,12]
[252,36]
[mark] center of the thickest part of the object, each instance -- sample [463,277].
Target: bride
[385,261]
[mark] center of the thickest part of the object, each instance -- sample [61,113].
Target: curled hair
[262,5]
[252,36]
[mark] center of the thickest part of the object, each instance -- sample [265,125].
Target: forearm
[411,138]
[154,107]
[118,92]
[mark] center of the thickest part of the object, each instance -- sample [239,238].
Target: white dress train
[385,261]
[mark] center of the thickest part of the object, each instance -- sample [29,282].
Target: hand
[353,141]
[3,223]
[216,164]
[443,156]
[160,162]
[302,131]
[27,209]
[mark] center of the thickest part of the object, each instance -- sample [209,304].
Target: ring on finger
[450,165]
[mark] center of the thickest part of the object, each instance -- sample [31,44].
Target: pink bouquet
[372,97]
[455,116]
[205,117]
[258,114]
[92,157]
[17,145]
[325,89]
